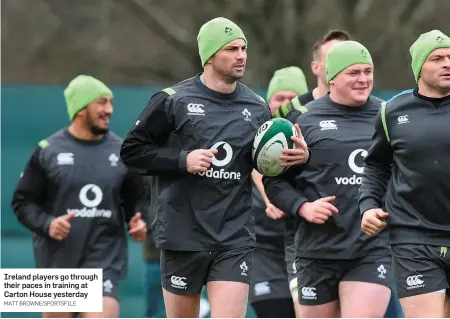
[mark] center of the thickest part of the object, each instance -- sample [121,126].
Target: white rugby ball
[271,139]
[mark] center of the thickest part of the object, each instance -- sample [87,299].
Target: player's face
[230,61]
[98,114]
[354,84]
[435,71]
[280,98]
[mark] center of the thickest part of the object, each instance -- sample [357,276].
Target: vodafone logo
[354,157]
[90,197]
[222,147]
[96,200]
[222,158]
[351,160]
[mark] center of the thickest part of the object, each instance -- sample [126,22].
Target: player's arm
[144,149]
[135,203]
[281,191]
[290,110]
[29,197]
[377,170]
[271,210]
[134,197]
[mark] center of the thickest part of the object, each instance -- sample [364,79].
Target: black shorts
[319,278]
[111,280]
[186,272]
[269,278]
[420,269]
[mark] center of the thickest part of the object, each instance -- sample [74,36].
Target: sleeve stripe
[43,144]
[298,106]
[169,91]
[383,120]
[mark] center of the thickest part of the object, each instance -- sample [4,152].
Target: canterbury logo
[414,280]
[308,292]
[178,281]
[403,119]
[195,109]
[328,125]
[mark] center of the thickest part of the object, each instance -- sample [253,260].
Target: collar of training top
[217,95]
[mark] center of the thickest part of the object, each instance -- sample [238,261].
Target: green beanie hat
[214,34]
[83,90]
[423,46]
[344,54]
[287,79]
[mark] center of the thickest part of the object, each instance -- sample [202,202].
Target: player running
[196,137]
[76,195]
[339,270]
[413,138]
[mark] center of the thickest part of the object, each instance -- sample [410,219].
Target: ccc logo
[308,291]
[195,108]
[403,119]
[328,125]
[178,281]
[414,280]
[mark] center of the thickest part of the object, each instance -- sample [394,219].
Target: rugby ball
[271,139]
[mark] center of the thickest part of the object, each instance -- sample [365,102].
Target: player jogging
[413,138]
[196,137]
[339,270]
[76,195]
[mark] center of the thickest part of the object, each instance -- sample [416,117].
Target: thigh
[274,308]
[232,265]
[236,295]
[427,305]
[181,306]
[184,272]
[418,270]
[363,299]
[318,280]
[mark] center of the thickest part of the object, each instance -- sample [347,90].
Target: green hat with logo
[214,34]
[291,78]
[344,54]
[83,90]
[423,46]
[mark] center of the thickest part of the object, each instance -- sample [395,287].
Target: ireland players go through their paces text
[51,290]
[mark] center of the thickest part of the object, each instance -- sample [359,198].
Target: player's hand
[60,226]
[318,211]
[372,221]
[298,155]
[199,161]
[138,228]
[273,212]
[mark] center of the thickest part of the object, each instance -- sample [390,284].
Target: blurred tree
[153,42]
